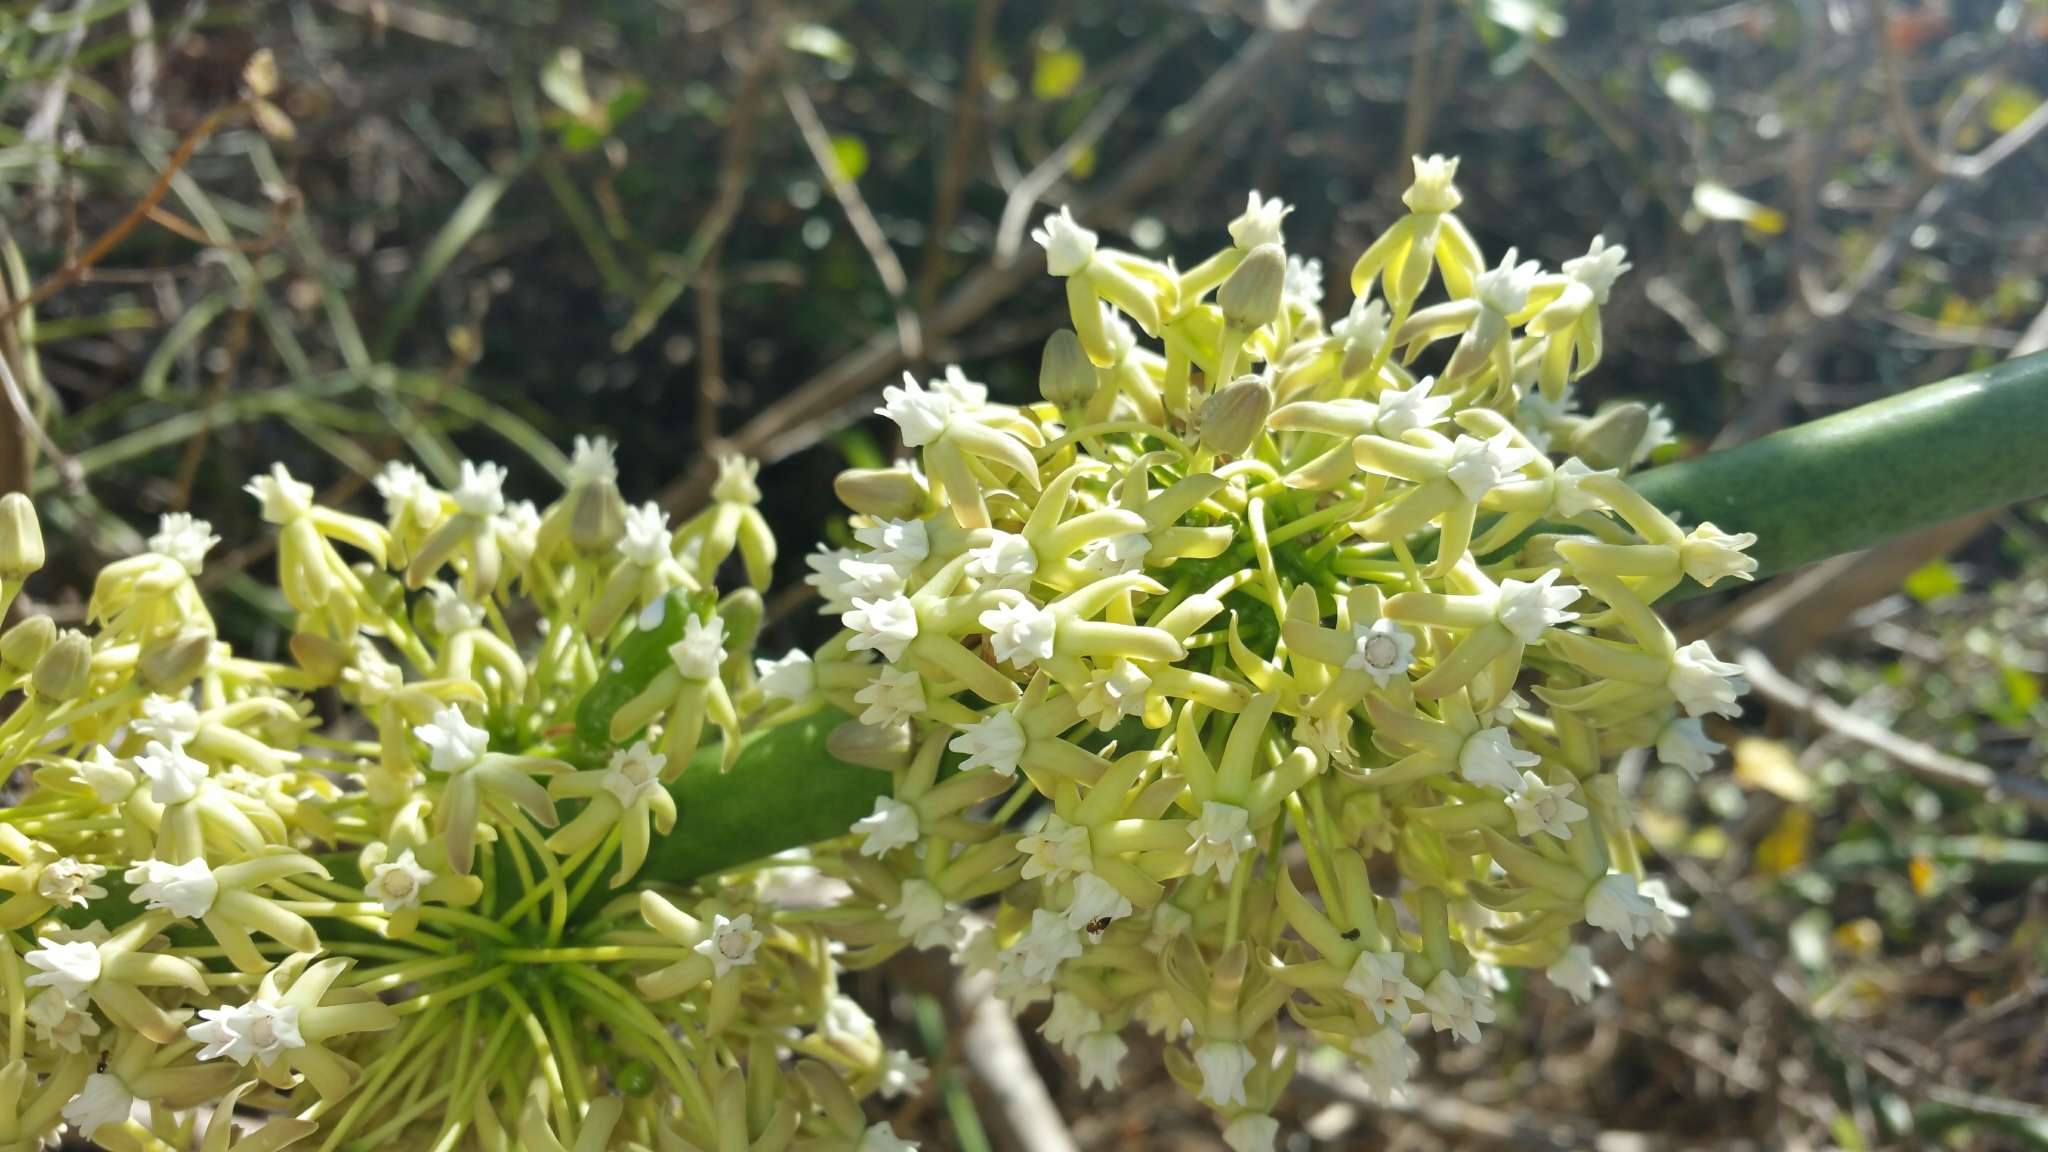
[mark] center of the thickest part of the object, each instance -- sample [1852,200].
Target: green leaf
[1056,73]
[639,659]
[850,154]
[820,41]
[1935,581]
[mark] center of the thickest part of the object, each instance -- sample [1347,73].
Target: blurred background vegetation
[475,229]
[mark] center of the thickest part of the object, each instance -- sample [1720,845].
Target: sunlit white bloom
[1576,973]
[1490,759]
[1259,223]
[885,626]
[406,489]
[283,498]
[1402,410]
[1070,1019]
[57,1022]
[1537,415]
[1704,684]
[1545,808]
[184,539]
[1114,693]
[1386,1062]
[1710,554]
[1505,288]
[901,1073]
[257,1031]
[1568,496]
[1381,650]
[1365,325]
[396,884]
[1046,945]
[186,890]
[1458,1005]
[1380,979]
[1221,834]
[1115,555]
[995,741]
[1659,433]
[634,773]
[518,530]
[921,915]
[593,461]
[1527,607]
[69,883]
[1479,466]
[1599,268]
[1658,893]
[965,394]
[1057,850]
[921,417]
[1618,906]
[1432,189]
[702,648]
[1068,246]
[1224,1065]
[893,696]
[452,611]
[1251,1132]
[1095,901]
[173,776]
[111,779]
[1020,633]
[1684,743]
[69,966]
[167,719]
[1006,561]
[892,825]
[1100,1054]
[828,575]
[880,1137]
[732,943]
[736,480]
[1302,285]
[103,1100]
[480,490]
[792,678]
[646,541]
[455,744]
[901,544]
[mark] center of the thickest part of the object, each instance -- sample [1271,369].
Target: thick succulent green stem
[1835,485]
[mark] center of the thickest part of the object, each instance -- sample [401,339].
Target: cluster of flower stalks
[1253,688]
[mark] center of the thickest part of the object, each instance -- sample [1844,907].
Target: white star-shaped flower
[167,719]
[1490,759]
[406,489]
[184,539]
[101,1101]
[702,648]
[396,884]
[1068,246]
[69,966]
[1259,223]
[893,696]
[70,883]
[732,943]
[452,611]
[1251,1132]
[186,890]
[884,626]
[1221,835]
[283,498]
[966,395]
[1116,555]
[646,541]
[1114,693]
[994,741]
[1704,684]
[1527,607]
[1047,944]
[736,482]
[1568,496]
[901,544]
[1599,268]
[1381,650]
[792,678]
[634,774]
[1224,1065]
[1006,561]
[1576,973]
[880,1137]
[1020,633]
[1057,850]
[1684,743]
[593,460]
[1380,979]
[480,490]
[1402,410]
[1100,1055]
[1458,1005]
[455,744]
[1545,808]
[1618,906]
[892,825]
[1387,1063]
[1505,289]
[921,417]
[173,776]
[257,1031]
[1479,466]
[1095,901]
[921,915]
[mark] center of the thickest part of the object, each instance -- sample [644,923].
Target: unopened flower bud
[883,747]
[597,517]
[742,610]
[1233,418]
[889,493]
[321,657]
[1609,439]
[1065,374]
[65,671]
[21,537]
[1250,296]
[166,666]
[25,643]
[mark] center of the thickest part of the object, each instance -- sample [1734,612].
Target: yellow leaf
[851,155]
[1860,938]
[1920,870]
[1935,581]
[1784,848]
[1770,766]
[1720,202]
[1057,73]
[2010,106]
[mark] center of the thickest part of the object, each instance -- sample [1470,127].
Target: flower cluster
[1257,687]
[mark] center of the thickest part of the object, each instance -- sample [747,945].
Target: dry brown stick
[820,406]
[1033,184]
[995,1049]
[1421,94]
[1448,1114]
[959,151]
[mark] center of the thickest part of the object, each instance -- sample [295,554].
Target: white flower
[456,744]
[1046,945]
[1684,743]
[1169,921]
[920,416]
[995,741]
[396,884]
[103,1100]
[646,541]
[1095,900]
[901,1073]
[1068,246]
[901,544]
[1006,561]
[1567,496]
[1302,284]
[1479,466]
[965,394]
[792,678]
[184,539]
[1576,973]
[1380,979]
[518,530]
[1599,268]
[1505,289]
[1659,433]
[1658,893]
[593,461]
[732,943]
[702,649]
[185,890]
[1404,410]
[166,719]
[59,1023]
[1070,1019]
[828,576]
[1381,650]
[1617,905]
[1387,1062]
[1251,1133]
[1458,1005]
[1365,325]
[921,915]
[1703,684]
[1100,1054]
[70,883]
[1020,633]
[885,626]
[1114,694]
[173,776]
[895,695]
[110,779]
[1057,850]
[69,966]
[1489,758]
[1221,834]
[480,490]
[1541,807]
[1115,555]
[405,488]
[892,825]
[1432,190]
[1526,608]
[880,1137]
[1259,223]
[283,498]
[1709,554]
[257,1030]
[736,480]
[1224,1065]
[452,611]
